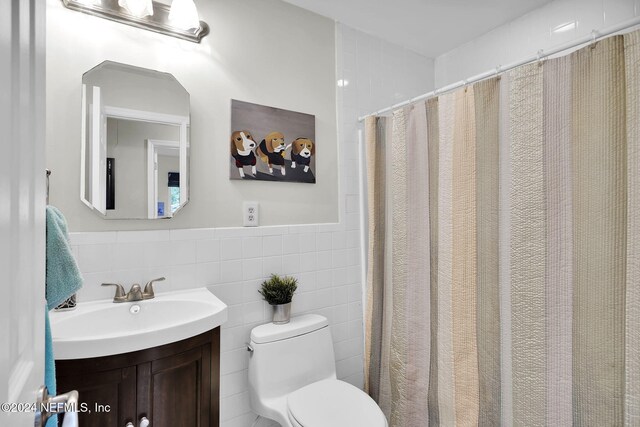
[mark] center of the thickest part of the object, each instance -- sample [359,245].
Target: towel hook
[48,173]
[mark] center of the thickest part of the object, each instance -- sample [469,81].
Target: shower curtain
[503,279]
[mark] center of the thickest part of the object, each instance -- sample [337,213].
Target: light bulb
[137,8]
[184,14]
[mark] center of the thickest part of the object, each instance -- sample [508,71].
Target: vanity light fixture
[180,19]
[89,2]
[137,8]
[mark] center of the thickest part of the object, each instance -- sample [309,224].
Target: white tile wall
[232,262]
[523,37]
[379,74]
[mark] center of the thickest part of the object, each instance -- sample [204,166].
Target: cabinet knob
[129,424]
[144,422]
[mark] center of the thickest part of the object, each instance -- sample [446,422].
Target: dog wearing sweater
[242,145]
[271,151]
[301,151]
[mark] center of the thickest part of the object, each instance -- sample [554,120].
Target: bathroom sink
[103,328]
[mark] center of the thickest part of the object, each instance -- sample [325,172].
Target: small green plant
[278,290]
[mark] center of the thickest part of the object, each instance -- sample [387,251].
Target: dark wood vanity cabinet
[174,385]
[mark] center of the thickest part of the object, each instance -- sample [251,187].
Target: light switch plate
[250,214]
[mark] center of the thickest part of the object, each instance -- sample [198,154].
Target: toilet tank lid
[299,325]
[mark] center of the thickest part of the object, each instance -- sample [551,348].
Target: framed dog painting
[271,144]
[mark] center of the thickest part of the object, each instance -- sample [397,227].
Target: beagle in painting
[242,145]
[271,151]
[301,151]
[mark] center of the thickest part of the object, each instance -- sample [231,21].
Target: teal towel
[49,366]
[63,275]
[63,280]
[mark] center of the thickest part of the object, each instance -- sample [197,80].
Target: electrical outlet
[250,214]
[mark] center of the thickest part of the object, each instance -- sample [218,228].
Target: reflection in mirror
[135,142]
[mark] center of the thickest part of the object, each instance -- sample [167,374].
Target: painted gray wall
[262,51]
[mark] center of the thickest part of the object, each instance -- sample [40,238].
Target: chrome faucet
[135,293]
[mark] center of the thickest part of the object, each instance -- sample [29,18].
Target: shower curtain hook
[594,38]
[540,56]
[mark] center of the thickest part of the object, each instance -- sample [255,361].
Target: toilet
[292,378]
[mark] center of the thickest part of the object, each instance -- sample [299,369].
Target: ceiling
[429,27]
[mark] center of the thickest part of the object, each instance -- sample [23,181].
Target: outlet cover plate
[250,214]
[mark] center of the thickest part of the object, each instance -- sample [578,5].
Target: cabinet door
[109,396]
[176,390]
[174,385]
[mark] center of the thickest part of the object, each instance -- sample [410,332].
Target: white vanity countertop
[103,328]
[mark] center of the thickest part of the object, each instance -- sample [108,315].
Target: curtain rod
[592,38]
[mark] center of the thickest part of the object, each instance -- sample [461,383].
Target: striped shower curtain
[504,248]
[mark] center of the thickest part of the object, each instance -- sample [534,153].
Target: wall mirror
[135,142]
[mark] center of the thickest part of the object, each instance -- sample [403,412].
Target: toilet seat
[333,403]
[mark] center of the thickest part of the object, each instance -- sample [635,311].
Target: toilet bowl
[292,378]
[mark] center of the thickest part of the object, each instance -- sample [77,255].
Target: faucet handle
[120,294]
[148,288]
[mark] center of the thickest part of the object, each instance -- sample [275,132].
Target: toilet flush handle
[249,348]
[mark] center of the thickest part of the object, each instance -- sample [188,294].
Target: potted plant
[278,291]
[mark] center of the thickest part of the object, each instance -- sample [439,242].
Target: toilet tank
[290,356]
